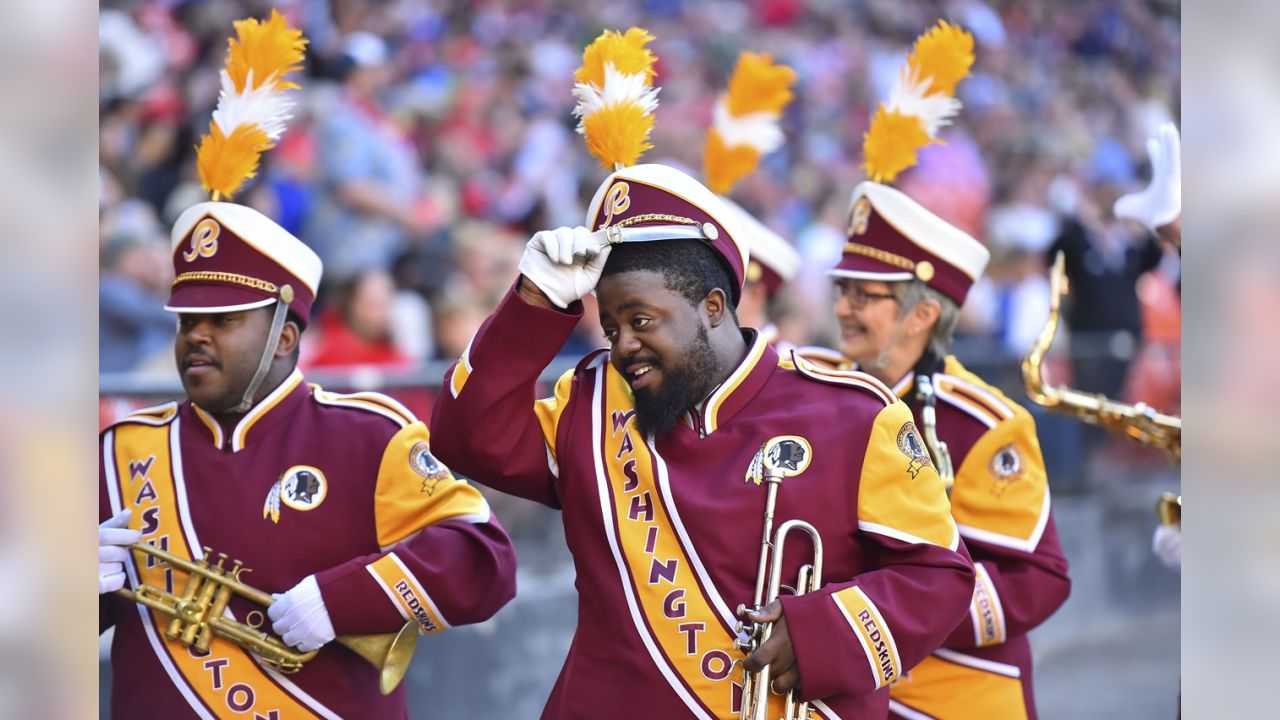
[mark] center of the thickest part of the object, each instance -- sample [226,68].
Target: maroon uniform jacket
[1000,501]
[666,535]
[342,486]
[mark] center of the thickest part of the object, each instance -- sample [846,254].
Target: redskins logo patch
[1006,464]
[617,202]
[301,487]
[785,455]
[426,465]
[859,218]
[912,445]
[204,240]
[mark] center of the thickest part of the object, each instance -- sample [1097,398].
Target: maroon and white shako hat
[774,262]
[644,203]
[229,257]
[892,238]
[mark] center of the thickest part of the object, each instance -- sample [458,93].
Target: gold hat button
[286,293]
[924,270]
[710,231]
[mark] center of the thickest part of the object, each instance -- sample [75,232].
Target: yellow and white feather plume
[746,121]
[921,102]
[253,104]
[616,97]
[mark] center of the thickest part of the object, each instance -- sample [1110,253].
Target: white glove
[300,618]
[1167,545]
[565,263]
[1161,202]
[114,537]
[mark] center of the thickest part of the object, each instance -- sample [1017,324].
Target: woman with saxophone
[335,501]
[902,277]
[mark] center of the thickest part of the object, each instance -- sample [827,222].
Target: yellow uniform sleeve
[550,409]
[1001,493]
[415,490]
[900,494]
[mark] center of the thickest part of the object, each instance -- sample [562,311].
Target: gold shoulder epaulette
[161,414]
[848,378]
[822,357]
[373,402]
[980,402]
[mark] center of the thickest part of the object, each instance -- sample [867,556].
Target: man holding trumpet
[335,496]
[660,452]
[335,501]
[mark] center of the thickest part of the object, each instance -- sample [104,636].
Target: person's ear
[923,316]
[715,305]
[290,335]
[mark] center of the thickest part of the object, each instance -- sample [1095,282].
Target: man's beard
[682,387]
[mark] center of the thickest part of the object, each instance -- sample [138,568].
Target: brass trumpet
[751,635]
[1140,422]
[198,616]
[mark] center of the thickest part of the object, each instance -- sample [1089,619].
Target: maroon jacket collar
[272,410]
[736,391]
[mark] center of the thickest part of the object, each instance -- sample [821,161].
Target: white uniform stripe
[966,406]
[300,694]
[906,537]
[885,630]
[711,415]
[395,600]
[998,405]
[907,712]
[179,682]
[990,666]
[1028,545]
[664,486]
[332,399]
[996,608]
[426,598]
[866,647]
[606,512]
[242,427]
[180,489]
[379,398]
[464,361]
[821,706]
[197,552]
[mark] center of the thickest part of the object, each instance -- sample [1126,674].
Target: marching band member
[335,501]
[652,450]
[902,278]
[745,129]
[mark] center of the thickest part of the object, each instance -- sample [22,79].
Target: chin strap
[269,352]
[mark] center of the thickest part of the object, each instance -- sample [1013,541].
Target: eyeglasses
[857,296]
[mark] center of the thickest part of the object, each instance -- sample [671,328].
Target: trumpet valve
[189,612]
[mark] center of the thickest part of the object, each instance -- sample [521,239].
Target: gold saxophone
[1139,421]
[198,616]
[751,635]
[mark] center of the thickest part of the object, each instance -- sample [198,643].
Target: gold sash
[226,682]
[687,638]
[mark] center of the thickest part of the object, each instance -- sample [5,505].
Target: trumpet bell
[390,653]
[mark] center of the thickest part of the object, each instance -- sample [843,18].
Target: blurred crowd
[432,138]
